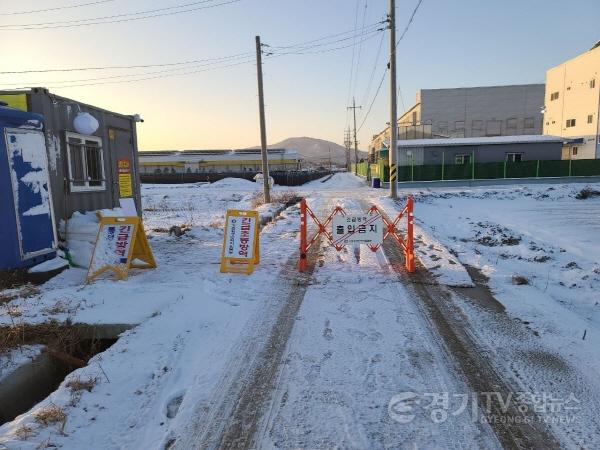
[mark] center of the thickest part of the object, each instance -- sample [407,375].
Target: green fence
[484,171]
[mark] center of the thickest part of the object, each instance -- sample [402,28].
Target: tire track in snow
[231,417]
[470,358]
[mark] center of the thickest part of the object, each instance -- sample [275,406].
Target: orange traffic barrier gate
[371,229]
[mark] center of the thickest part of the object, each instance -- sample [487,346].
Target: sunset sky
[449,44]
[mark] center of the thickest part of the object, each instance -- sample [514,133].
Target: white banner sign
[112,247]
[239,242]
[357,229]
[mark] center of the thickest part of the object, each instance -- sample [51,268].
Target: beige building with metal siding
[572,104]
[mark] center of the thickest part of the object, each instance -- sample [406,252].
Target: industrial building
[572,104]
[481,149]
[63,156]
[216,161]
[469,112]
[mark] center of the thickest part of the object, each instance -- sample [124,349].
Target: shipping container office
[27,228]
[84,168]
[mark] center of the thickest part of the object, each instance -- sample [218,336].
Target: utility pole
[347,144]
[393,106]
[263,127]
[354,108]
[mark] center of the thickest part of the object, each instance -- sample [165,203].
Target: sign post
[121,244]
[241,250]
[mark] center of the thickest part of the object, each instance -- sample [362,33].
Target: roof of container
[448,142]
[16,116]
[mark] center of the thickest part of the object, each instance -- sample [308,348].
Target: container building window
[514,157]
[529,123]
[592,83]
[554,96]
[591,118]
[86,163]
[462,159]
[571,123]
[574,151]
[511,125]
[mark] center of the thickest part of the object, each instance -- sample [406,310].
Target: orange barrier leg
[303,236]
[410,245]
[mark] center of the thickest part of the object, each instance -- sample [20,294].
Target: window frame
[590,118]
[593,83]
[462,157]
[554,96]
[510,157]
[527,121]
[571,123]
[574,151]
[86,188]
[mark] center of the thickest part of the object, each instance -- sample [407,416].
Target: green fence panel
[457,172]
[521,169]
[554,168]
[489,171]
[585,167]
[428,173]
[404,173]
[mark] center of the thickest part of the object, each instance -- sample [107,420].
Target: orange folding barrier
[391,230]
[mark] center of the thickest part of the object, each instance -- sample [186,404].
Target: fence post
[303,236]
[504,168]
[443,163]
[473,165]
[412,168]
[537,169]
[410,252]
[570,164]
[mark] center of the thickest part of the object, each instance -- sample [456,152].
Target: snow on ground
[357,341]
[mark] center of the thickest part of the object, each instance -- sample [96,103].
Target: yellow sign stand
[121,244]
[241,249]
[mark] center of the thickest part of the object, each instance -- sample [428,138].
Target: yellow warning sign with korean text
[121,244]
[241,249]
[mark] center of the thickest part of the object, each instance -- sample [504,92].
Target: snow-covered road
[354,354]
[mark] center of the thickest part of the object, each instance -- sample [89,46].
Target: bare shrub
[50,415]
[587,193]
[520,280]
[78,384]
[24,432]
[287,198]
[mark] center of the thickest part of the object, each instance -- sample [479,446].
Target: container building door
[28,166]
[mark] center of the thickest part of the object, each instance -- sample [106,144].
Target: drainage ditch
[66,347]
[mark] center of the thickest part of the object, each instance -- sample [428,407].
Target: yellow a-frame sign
[120,245]
[241,249]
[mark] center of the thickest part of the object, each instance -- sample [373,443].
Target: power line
[410,21]
[372,77]
[249,61]
[82,80]
[360,48]
[148,14]
[374,98]
[140,66]
[302,46]
[305,51]
[57,8]
[353,56]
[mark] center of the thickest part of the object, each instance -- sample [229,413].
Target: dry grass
[60,307]
[287,198]
[26,291]
[13,311]
[50,415]
[24,432]
[56,335]
[79,384]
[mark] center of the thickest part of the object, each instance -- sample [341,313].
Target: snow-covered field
[358,343]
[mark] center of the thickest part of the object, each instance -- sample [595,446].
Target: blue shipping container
[27,229]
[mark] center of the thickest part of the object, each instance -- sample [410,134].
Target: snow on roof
[446,142]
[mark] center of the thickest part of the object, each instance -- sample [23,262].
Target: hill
[316,151]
